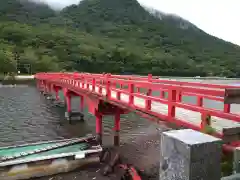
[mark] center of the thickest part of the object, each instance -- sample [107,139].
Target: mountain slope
[118,36]
[25,11]
[174,19]
[126,19]
[117,11]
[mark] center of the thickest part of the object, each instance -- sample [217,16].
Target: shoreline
[16,78]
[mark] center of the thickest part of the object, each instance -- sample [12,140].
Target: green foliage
[209,130]
[109,36]
[6,61]
[227,164]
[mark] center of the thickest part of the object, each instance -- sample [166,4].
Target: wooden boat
[47,158]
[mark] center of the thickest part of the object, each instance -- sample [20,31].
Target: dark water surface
[27,116]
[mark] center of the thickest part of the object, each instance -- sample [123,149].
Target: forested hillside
[109,36]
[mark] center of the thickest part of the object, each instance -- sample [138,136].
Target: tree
[7,63]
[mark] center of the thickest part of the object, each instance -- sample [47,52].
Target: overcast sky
[220,18]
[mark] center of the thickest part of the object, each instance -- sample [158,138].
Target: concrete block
[67,115]
[232,177]
[59,104]
[74,116]
[50,97]
[231,134]
[189,155]
[77,116]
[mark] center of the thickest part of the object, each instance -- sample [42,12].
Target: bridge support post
[47,89]
[44,88]
[56,94]
[68,108]
[189,154]
[162,94]
[50,92]
[41,86]
[38,84]
[81,108]
[179,96]
[81,103]
[117,129]
[98,116]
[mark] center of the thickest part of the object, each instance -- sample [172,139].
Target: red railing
[143,87]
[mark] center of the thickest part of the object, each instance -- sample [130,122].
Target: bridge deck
[183,114]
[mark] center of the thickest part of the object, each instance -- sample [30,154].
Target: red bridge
[107,94]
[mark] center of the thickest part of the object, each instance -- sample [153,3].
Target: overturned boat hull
[47,158]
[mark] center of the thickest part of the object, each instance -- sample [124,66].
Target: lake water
[27,116]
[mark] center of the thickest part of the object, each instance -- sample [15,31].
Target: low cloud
[57,4]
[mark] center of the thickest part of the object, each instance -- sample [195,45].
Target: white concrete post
[189,155]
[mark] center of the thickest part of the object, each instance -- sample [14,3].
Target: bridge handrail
[143,78]
[203,110]
[141,84]
[174,90]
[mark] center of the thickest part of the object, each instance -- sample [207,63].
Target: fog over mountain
[57,4]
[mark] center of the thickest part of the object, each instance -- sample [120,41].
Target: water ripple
[26,116]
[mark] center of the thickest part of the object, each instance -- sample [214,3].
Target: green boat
[47,158]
